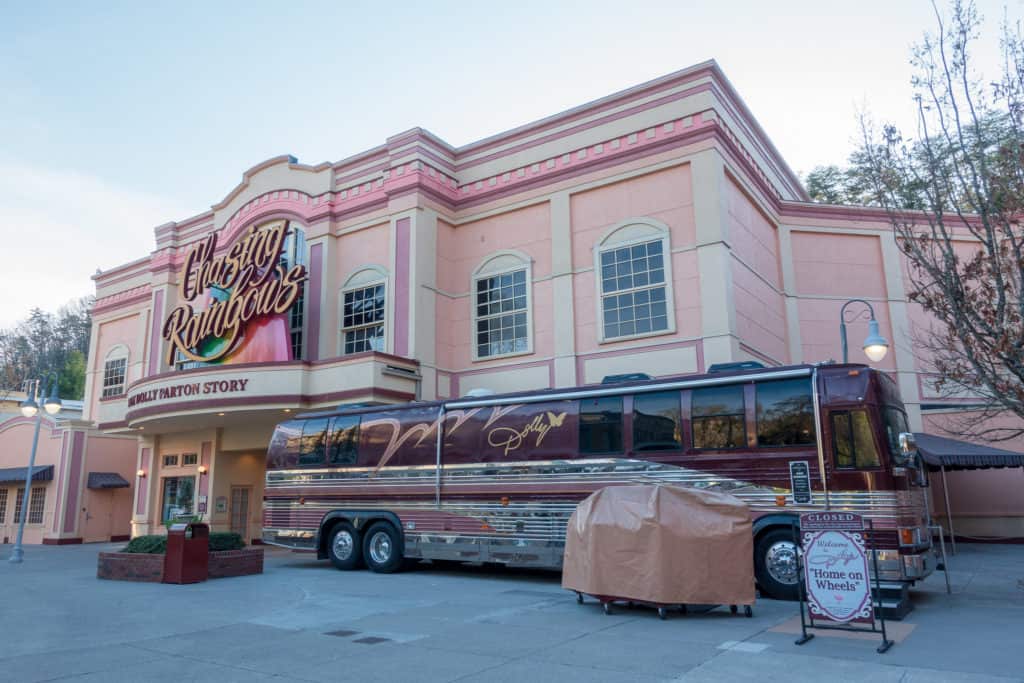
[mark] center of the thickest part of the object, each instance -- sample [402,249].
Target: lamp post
[875,345]
[30,408]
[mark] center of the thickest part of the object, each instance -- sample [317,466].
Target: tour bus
[495,478]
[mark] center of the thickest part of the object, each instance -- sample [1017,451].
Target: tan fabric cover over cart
[661,544]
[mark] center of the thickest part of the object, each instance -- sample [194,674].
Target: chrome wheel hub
[781,562]
[380,548]
[343,545]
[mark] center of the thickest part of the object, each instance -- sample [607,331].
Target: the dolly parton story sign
[836,566]
[245,290]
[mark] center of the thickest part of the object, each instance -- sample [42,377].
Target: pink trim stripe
[154,332]
[402,250]
[74,482]
[140,484]
[60,477]
[313,293]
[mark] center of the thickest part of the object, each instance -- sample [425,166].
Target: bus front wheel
[382,548]
[344,547]
[775,564]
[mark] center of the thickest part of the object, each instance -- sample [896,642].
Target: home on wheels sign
[836,566]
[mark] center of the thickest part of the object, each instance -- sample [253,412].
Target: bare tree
[955,196]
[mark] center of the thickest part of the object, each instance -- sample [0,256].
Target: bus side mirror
[908,450]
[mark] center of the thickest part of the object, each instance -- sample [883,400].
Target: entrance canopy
[940,452]
[107,480]
[13,475]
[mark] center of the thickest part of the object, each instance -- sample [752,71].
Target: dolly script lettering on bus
[511,439]
[224,386]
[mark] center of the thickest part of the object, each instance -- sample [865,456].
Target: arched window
[634,280]
[115,371]
[502,303]
[364,311]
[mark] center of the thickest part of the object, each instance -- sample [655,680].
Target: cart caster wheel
[607,608]
[733,609]
[662,613]
[748,612]
[579,598]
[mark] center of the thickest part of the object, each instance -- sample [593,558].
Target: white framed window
[115,372]
[36,505]
[364,311]
[171,460]
[502,301]
[189,459]
[3,505]
[295,252]
[634,281]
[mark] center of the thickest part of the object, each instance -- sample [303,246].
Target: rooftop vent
[627,377]
[734,367]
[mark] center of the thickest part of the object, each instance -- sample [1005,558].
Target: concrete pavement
[304,621]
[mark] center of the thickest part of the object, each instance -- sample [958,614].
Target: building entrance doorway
[240,511]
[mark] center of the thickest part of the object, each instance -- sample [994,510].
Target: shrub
[225,540]
[220,540]
[147,544]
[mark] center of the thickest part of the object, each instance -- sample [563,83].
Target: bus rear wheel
[775,564]
[382,548]
[344,547]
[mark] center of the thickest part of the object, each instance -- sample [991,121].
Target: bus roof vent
[733,367]
[627,377]
[479,393]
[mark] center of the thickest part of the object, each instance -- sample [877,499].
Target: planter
[130,567]
[150,567]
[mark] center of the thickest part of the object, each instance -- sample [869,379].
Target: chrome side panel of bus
[514,512]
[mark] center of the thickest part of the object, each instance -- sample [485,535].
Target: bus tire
[382,548]
[775,564]
[344,548]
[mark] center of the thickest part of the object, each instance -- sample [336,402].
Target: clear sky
[117,117]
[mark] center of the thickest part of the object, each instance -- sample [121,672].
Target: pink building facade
[655,230]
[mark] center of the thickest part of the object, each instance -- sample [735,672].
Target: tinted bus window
[718,417]
[895,424]
[785,413]
[855,448]
[601,425]
[656,422]
[344,448]
[313,447]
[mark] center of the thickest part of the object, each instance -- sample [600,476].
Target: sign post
[835,584]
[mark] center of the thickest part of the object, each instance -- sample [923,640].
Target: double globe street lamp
[875,345]
[30,408]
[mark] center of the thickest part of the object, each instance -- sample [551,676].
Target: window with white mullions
[363,319]
[633,292]
[114,371]
[501,314]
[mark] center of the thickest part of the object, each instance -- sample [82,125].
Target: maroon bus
[495,478]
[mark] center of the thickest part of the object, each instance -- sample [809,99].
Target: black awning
[953,454]
[14,475]
[107,480]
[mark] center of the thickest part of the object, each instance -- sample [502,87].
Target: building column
[564,323]
[714,259]
[793,337]
[902,342]
[144,486]
[414,284]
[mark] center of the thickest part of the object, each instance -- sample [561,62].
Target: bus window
[855,447]
[785,413]
[656,422]
[719,417]
[313,447]
[344,441]
[601,425]
[895,423]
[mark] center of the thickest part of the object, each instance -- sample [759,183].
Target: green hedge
[219,540]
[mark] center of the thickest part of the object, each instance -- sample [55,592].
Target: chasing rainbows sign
[243,283]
